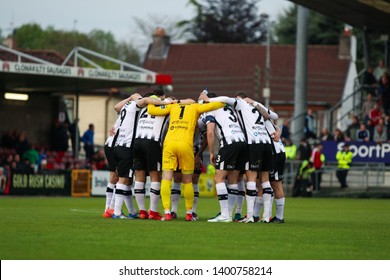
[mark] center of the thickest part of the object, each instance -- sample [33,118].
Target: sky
[116,16]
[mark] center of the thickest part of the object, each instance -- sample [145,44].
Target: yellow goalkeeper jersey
[183,119]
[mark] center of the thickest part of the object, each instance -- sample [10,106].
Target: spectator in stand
[31,154]
[291,150]
[285,130]
[352,129]
[309,125]
[384,90]
[72,132]
[304,150]
[371,128]
[375,114]
[15,163]
[58,137]
[326,135]
[386,126]
[42,167]
[363,134]
[380,70]
[88,140]
[367,106]
[380,135]
[338,135]
[7,162]
[22,144]
[24,167]
[370,83]
[318,160]
[42,155]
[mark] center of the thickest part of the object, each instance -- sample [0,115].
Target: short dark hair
[241,94]
[159,92]
[211,94]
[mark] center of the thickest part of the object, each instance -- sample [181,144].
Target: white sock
[130,202]
[196,197]
[109,194]
[233,193]
[175,196]
[258,206]
[121,189]
[223,199]
[271,205]
[154,195]
[267,193]
[250,198]
[240,197]
[139,193]
[280,207]
[112,204]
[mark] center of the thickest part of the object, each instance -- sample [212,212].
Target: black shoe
[219,213]
[277,220]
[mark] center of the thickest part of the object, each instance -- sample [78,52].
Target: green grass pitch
[65,228]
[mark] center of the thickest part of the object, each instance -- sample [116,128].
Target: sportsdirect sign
[362,151]
[77,72]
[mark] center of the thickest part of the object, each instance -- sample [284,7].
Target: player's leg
[222,194]
[121,192]
[139,192]
[113,179]
[250,196]
[277,186]
[169,164]
[188,191]
[258,203]
[276,179]
[266,166]
[186,162]
[129,201]
[155,189]
[240,198]
[175,193]
[124,167]
[267,196]
[195,181]
[165,192]
[232,178]
[109,208]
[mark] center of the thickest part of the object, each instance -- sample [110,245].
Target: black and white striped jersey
[201,129]
[251,120]
[150,127]
[279,147]
[228,129]
[128,117]
[110,139]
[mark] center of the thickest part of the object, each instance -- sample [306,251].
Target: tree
[227,21]
[32,36]
[322,30]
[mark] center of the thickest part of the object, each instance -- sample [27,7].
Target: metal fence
[361,177]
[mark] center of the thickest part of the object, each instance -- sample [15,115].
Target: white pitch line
[84,211]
